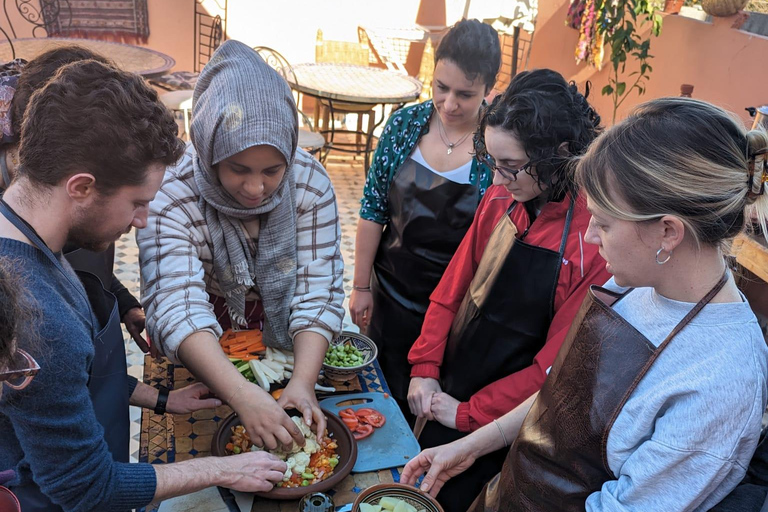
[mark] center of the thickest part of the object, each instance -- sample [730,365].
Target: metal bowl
[409,494]
[363,343]
[347,451]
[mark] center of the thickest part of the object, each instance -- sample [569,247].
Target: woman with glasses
[511,291]
[655,400]
[420,198]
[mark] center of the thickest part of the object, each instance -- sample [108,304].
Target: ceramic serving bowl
[411,495]
[363,343]
[347,451]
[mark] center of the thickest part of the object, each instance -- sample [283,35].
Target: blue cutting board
[390,446]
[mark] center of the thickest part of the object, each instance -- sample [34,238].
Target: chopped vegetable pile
[307,465]
[389,504]
[344,355]
[363,421]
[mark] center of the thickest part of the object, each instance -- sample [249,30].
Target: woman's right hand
[361,307]
[420,393]
[251,471]
[440,465]
[265,421]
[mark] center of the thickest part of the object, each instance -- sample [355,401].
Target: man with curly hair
[95,142]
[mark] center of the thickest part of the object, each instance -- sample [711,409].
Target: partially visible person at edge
[94,144]
[420,198]
[16,87]
[655,399]
[511,291]
[17,367]
[245,232]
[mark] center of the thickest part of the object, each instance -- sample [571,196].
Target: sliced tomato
[351,423]
[371,417]
[362,431]
[349,419]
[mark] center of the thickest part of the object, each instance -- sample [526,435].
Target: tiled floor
[348,179]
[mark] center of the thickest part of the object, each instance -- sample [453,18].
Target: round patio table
[360,85]
[136,59]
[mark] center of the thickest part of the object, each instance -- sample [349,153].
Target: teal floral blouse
[399,139]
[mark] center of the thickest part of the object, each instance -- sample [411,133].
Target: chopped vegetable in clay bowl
[316,467]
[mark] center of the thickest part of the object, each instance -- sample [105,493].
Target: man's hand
[135,320]
[191,398]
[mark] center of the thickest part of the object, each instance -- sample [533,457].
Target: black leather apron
[429,216]
[503,321]
[560,455]
[501,325]
[108,383]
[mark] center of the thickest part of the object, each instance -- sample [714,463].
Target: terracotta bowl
[347,451]
[407,493]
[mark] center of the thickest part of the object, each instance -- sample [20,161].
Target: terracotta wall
[725,65]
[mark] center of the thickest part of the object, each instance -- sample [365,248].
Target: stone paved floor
[348,179]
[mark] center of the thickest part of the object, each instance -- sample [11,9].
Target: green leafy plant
[621,22]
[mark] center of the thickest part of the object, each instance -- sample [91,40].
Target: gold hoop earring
[662,261]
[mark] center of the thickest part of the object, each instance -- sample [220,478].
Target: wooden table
[335,84]
[136,59]
[173,438]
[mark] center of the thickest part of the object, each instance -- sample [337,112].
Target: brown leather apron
[560,456]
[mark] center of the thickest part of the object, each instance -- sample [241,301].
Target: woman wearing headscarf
[245,233]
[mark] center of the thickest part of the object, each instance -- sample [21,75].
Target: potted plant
[673,6]
[723,7]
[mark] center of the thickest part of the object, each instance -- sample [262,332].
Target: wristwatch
[162,399]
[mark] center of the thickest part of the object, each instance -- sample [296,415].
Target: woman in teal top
[420,198]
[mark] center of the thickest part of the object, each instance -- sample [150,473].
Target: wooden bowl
[407,493]
[347,451]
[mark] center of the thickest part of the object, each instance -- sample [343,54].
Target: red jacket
[582,267]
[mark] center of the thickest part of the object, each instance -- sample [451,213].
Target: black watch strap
[162,399]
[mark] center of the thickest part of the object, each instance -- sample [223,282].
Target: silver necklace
[444,136]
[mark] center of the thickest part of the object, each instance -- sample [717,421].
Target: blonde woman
[656,397]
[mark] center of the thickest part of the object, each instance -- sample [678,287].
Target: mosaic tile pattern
[346,172]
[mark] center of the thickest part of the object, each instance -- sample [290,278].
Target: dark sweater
[48,431]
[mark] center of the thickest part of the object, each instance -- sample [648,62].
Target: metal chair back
[210,31]
[45,16]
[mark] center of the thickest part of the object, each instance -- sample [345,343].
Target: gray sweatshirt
[685,437]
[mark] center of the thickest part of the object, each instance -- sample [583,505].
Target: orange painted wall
[726,66]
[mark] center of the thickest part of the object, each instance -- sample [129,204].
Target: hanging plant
[591,38]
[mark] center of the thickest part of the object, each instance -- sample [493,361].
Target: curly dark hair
[38,71]
[17,311]
[474,47]
[544,111]
[92,117]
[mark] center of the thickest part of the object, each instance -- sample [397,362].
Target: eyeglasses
[506,172]
[21,371]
